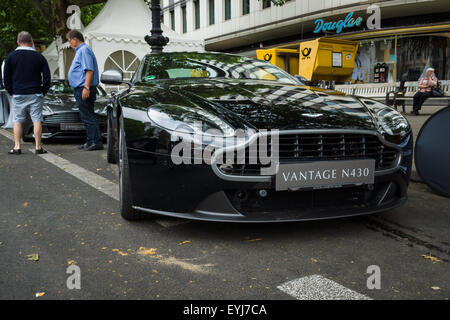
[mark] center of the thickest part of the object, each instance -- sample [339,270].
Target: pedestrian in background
[426,85]
[84,77]
[27,81]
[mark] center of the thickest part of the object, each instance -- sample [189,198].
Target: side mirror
[113,77]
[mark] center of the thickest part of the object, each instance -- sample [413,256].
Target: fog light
[262,193]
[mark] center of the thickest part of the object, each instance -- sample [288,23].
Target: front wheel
[126,201]
[27,137]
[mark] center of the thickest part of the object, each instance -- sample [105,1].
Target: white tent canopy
[117,35]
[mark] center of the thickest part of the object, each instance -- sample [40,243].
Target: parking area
[64,208]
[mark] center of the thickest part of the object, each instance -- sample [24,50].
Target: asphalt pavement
[56,214]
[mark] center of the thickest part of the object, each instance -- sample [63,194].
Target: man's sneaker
[94,147]
[83,146]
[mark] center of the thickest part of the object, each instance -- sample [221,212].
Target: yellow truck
[320,59]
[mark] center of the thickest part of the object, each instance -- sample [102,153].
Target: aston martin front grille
[320,147]
[65,117]
[69,117]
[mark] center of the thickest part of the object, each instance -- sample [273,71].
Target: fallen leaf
[144,251]
[313,260]
[40,294]
[433,259]
[26,204]
[120,252]
[71,262]
[184,242]
[435,288]
[256,239]
[33,257]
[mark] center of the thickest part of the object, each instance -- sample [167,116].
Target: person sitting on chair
[425,90]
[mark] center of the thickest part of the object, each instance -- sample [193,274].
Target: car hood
[58,103]
[261,104]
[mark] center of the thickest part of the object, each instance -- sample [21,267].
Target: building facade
[398,38]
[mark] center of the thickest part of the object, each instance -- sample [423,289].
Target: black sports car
[220,137]
[61,115]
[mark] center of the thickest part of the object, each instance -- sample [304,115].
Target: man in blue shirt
[84,77]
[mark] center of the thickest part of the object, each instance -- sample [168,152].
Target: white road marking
[99,183]
[94,180]
[316,287]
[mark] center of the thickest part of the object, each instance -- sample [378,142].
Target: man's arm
[87,63]
[87,84]
[46,77]
[8,77]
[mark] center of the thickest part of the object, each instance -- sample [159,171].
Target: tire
[126,200]
[111,154]
[28,127]
[27,138]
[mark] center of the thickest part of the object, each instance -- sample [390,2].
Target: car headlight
[391,123]
[182,119]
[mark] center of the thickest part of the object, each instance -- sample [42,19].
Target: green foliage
[16,16]
[89,12]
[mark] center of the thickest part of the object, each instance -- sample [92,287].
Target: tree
[54,12]
[16,16]
[47,19]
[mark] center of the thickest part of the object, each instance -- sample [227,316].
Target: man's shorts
[32,103]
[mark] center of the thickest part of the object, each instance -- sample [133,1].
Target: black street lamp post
[157,41]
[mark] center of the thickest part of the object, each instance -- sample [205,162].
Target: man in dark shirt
[27,80]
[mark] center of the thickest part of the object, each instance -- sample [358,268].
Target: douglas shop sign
[350,21]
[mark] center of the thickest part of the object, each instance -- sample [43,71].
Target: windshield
[210,65]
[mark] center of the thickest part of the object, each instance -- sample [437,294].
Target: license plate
[324,174]
[72,127]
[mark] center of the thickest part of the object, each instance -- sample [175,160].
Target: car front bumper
[196,192]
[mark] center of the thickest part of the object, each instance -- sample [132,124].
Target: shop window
[379,60]
[417,53]
[375,61]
